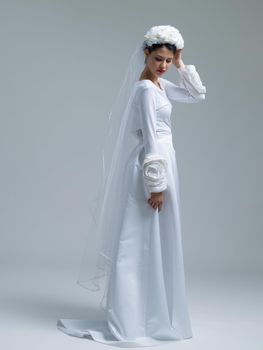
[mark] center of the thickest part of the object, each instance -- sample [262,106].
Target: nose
[163,65]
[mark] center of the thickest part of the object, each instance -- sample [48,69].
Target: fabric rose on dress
[154,172]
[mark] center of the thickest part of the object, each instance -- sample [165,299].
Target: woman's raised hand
[177,58]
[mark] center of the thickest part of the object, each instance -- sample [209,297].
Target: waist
[161,136]
[164,137]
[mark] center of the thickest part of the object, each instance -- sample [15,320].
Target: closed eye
[159,59]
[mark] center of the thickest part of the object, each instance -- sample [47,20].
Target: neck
[146,74]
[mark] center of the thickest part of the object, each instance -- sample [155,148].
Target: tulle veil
[105,214]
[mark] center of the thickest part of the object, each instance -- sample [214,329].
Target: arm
[190,89]
[154,164]
[190,80]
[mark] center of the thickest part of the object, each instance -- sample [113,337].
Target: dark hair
[154,47]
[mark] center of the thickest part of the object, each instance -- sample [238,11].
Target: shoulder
[144,84]
[144,88]
[145,92]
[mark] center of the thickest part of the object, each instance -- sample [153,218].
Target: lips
[160,71]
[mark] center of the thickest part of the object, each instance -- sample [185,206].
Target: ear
[146,52]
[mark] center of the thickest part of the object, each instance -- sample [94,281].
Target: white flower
[154,172]
[164,34]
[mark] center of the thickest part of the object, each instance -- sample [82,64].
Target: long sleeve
[154,164]
[190,88]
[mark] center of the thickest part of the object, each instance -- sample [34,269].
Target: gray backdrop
[61,65]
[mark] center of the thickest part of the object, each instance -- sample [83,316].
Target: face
[159,61]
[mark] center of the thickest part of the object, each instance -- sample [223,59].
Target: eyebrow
[163,57]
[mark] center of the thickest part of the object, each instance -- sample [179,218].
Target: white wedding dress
[146,299]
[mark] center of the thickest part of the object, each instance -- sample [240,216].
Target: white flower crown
[163,34]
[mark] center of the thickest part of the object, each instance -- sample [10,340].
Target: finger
[151,203]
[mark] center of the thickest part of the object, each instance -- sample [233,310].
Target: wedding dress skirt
[146,299]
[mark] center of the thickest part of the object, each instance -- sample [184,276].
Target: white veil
[106,209]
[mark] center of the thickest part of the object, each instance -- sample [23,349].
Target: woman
[139,246]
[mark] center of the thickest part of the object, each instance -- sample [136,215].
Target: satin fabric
[146,300]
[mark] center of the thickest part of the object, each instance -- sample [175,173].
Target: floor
[226,310]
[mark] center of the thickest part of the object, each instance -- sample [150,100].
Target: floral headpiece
[163,34]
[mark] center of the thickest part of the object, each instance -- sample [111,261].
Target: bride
[138,251]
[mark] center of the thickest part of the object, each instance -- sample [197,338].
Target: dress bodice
[163,107]
[151,115]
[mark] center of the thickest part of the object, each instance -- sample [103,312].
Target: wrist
[180,64]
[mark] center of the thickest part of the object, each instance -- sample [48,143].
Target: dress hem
[102,334]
